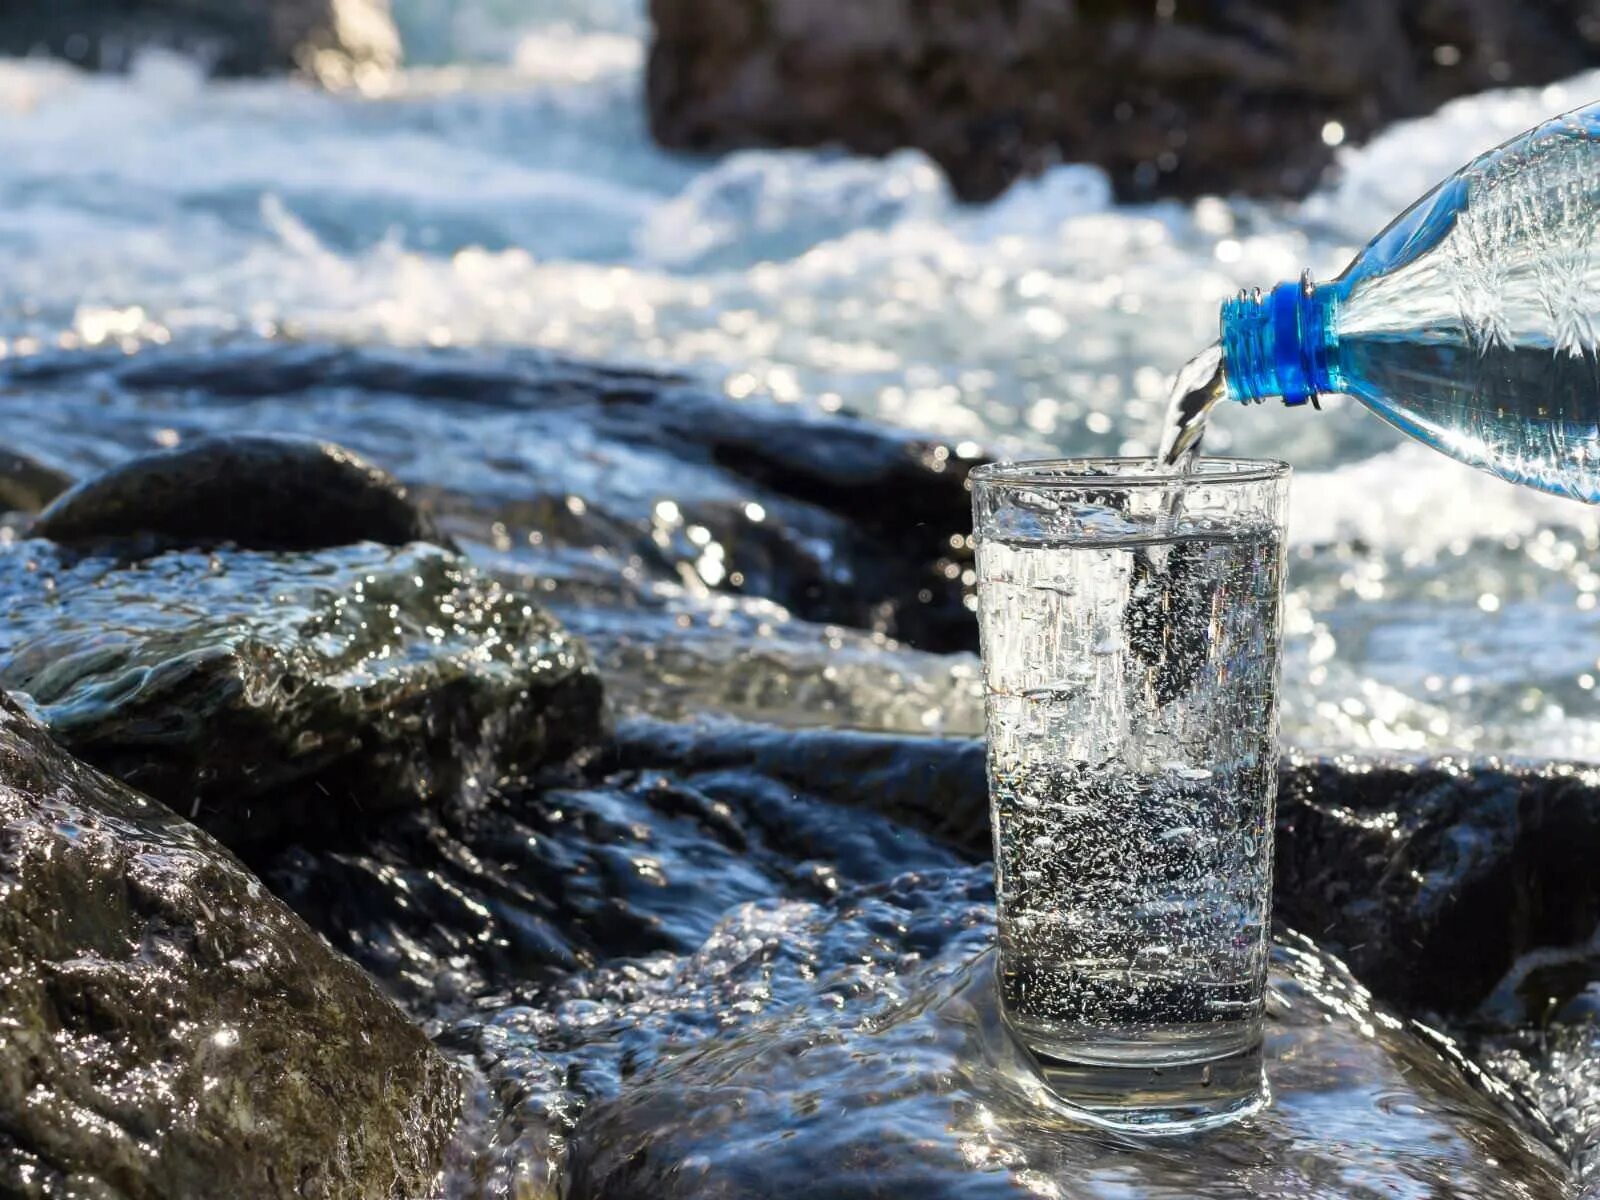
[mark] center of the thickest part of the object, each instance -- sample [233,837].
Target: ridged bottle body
[1473,321]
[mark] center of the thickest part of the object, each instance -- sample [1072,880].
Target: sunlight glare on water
[503,190]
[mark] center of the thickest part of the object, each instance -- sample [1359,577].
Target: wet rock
[678,656]
[585,1040]
[539,461]
[1432,879]
[334,40]
[693,882]
[937,785]
[643,853]
[256,492]
[1177,99]
[270,694]
[929,1097]
[26,486]
[173,1030]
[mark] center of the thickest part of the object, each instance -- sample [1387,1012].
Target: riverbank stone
[257,492]
[168,1028]
[271,695]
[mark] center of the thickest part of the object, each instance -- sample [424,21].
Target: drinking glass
[1129,618]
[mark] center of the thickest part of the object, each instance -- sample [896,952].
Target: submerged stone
[168,1028]
[257,492]
[269,695]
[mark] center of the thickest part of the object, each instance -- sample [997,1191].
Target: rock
[170,1029]
[1172,99]
[267,695]
[695,881]
[334,40]
[929,1097]
[584,1041]
[545,465]
[937,785]
[27,486]
[643,853]
[256,492]
[1432,879]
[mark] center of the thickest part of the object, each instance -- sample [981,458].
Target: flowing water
[1428,606]
[503,192]
[1196,390]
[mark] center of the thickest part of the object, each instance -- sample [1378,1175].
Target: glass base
[1115,1087]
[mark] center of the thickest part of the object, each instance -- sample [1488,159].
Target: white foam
[1414,499]
[504,190]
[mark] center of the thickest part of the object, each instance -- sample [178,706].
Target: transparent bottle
[1471,323]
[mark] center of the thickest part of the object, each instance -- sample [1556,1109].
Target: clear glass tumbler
[1130,620]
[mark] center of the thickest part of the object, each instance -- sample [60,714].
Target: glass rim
[1115,472]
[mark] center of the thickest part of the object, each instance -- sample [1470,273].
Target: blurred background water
[502,189]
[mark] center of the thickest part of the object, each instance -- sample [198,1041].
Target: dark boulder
[334,40]
[548,466]
[170,1029]
[266,694]
[256,492]
[1433,879]
[1171,98]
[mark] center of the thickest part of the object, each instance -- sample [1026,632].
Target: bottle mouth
[1279,343]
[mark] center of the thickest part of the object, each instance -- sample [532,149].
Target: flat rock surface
[168,1028]
[929,1097]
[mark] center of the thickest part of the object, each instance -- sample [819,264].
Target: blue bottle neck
[1283,343]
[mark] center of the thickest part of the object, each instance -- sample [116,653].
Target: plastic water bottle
[1472,323]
